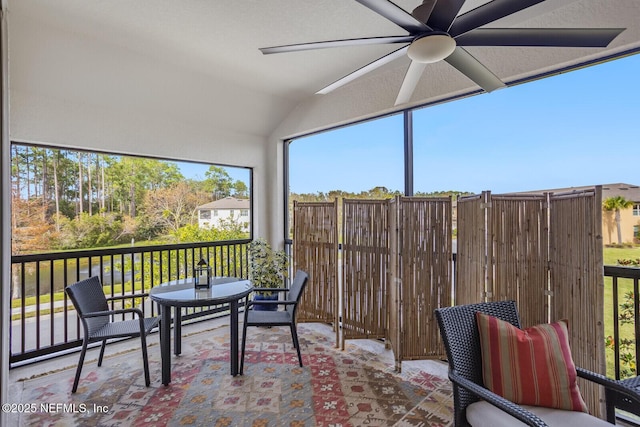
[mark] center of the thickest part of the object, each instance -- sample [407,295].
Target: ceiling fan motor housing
[432,47]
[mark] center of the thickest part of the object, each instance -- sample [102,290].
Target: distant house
[224,210]
[629,218]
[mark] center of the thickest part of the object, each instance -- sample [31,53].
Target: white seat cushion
[481,414]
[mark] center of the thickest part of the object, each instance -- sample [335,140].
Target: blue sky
[575,129]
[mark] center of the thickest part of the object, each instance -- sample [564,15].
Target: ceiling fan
[437,32]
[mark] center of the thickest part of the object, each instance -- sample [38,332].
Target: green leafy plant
[268,268]
[630,262]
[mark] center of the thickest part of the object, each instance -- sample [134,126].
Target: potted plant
[268,268]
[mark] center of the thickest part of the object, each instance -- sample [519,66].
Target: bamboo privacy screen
[315,250]
[365,256]
[471,255]
[394,288]
[503,252]
[519,248]
[577,281]
[420,267]
[420,275]
[545,252]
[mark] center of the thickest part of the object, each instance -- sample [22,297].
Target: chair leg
[145,358]
[104,344]
[244,334]
[244,341]
[296,343]
[611,412]
[160,337]
[79,368]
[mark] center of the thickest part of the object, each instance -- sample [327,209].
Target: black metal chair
[98,325]
[286,317]
[461,338]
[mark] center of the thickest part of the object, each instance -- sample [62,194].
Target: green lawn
[611,257]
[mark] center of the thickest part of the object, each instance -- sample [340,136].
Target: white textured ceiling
[219,40]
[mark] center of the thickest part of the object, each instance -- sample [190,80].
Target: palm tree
[616,204]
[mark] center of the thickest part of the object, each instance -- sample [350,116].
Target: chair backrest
[461,339]
[88,296]
[295,291]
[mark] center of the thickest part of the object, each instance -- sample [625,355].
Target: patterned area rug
[334,388]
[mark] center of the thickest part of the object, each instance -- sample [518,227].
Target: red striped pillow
[531,366]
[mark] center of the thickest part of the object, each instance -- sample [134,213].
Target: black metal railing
[43,321]
[624,282]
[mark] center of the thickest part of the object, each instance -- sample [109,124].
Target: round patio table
[183,293]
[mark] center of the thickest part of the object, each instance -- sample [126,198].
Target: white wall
[222,216]
[5,222]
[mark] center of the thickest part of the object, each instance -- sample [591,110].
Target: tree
[91,231]
[616,204]
[379,193]
[218,182]
[131,177]
[172,208]
[240,189]
[29,232]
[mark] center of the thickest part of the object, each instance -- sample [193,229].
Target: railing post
[616,328]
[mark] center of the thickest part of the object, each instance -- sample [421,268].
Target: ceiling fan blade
[336,43]
[364,70]
[444,13]
[559,37]
[464,62]
[395,14]
[487,13]
[423,11]
[411,79]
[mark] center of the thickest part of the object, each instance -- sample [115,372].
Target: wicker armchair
[91,305]
[462,343]
[286,317]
